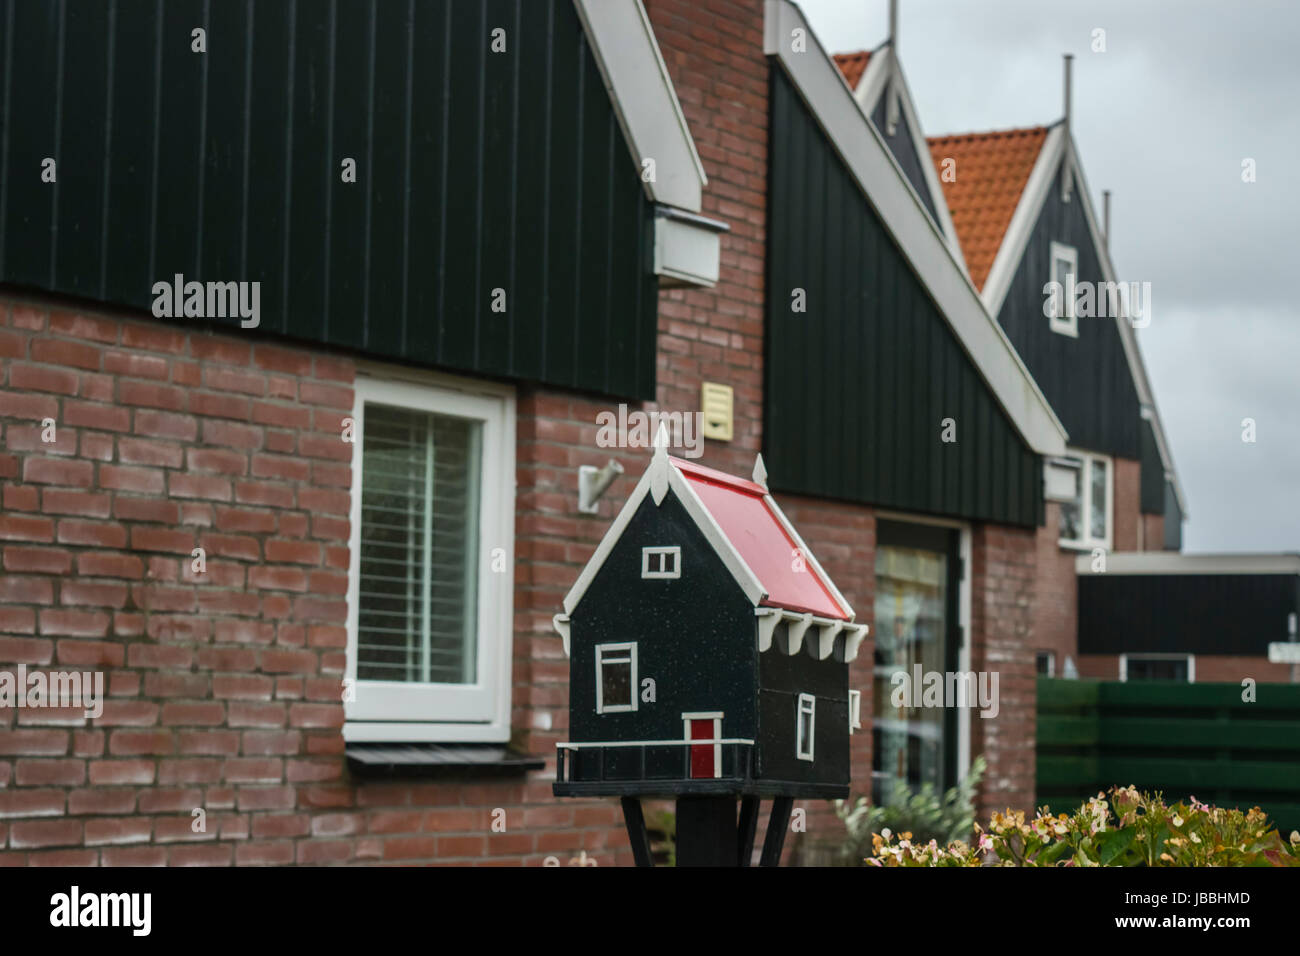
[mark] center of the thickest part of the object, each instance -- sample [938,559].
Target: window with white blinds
[419,522]
[430,585]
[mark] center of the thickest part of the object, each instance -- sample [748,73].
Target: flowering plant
[1130,829]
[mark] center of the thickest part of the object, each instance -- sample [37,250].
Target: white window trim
[800,750]
[601,707]
[716,717]
[1067,324]
[674,552]
[1190,658]
[855,710]
[1087,542]
[1051,662]
[394,712]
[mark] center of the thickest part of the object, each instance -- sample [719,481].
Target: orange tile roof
[853,65]
[990,174]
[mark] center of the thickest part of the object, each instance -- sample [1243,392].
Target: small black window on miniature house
[663,562]
[615,678]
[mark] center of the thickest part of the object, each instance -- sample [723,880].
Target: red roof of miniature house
[759,534]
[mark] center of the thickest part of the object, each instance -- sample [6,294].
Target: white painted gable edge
[872,84]
[864,153]
[1059,144]
[661,468]
[644,99]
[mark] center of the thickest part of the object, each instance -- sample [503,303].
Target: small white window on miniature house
[1065,272]
[665,562]
[807,716]
[615,678]
[855,710]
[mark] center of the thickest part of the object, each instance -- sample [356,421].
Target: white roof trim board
[922,243]
[873,83]
[1056,147]
[662,470]
[644,99]
[1172,562]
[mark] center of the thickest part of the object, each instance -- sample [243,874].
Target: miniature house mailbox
[709,661]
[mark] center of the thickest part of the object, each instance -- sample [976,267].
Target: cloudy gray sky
[1185,91]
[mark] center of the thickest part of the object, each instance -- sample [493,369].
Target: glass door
[917,575]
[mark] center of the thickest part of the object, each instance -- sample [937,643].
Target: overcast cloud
[1184,92]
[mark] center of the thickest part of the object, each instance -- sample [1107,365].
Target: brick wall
[1002,613]
[1128,490]
[1056,600]
[224,687]
[1153,532]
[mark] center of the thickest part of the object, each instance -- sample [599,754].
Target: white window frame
[716,717]
[1190,658]
[601,650]
[1067,324]
[855,710]
[674,552]
[804,749]
[1051,663]
[1085,460]
[398,712]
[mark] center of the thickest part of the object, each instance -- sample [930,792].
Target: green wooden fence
[1181,739]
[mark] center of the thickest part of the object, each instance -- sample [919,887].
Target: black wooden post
[777,824]
[748,824]
[636,832]
[706,831]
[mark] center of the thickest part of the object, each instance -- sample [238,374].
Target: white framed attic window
[1064,273]
[805,724]
[1170,667]
[661,562]
[615,678]
[430,582]
[855,710]
[1083,483]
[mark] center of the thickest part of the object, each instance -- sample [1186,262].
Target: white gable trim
[808,555]
[644,99]
[874,81]
[863,152]
[1023,220]
[1127,335]
[741,571]
[1059,149]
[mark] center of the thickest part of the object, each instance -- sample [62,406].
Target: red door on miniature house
[706,760]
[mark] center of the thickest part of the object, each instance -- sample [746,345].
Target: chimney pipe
[1069,57]
[893,23]
[1105,217]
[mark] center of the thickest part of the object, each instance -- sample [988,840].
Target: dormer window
[661,562]
[1062,316]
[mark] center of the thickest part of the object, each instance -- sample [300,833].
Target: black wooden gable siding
[903,148]
[1233,614]
[1153,473]
[475,171]
[1086,380]
[857,386]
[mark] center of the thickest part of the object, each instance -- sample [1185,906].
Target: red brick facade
[224,688]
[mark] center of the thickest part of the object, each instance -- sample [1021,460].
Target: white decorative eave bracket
[804,627]
[561,624]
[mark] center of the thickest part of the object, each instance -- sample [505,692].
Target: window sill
[438,760]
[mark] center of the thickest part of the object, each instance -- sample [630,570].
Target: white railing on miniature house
[600,747]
